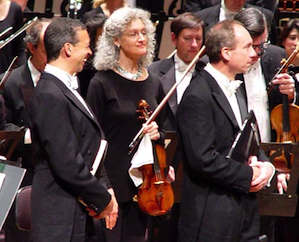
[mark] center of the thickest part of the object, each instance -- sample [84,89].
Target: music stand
[9,141]
[272,203]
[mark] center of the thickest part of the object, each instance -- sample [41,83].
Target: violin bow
[139,135]
[17,33]
[285,64]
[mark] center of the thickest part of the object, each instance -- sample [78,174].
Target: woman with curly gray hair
[124,50]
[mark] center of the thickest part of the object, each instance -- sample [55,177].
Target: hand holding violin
[286,85]
[152,130]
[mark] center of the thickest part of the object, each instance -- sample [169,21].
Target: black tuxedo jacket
[66,139]
[154,6]
[88,15]
[211,16]
[17,93]
[212,183]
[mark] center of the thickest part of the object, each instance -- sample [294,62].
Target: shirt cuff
[27,137]
[273,173]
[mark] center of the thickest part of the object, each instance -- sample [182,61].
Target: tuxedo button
[89,152]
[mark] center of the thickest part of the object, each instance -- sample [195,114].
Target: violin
[155,195]
[285,121]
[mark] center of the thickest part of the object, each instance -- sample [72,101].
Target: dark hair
[220,35]
[93,24]
[33,33]
[286,30]
[186,21]
[59,32]
[253,20]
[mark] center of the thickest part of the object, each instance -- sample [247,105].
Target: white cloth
[228,90]
[143,156]
[180,67]
[257,99]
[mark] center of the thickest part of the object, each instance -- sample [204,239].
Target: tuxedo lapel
[168,80]
[220,98]
[26,86]
[267,68]
[71,96]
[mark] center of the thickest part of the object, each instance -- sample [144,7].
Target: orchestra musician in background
[17,93]
[263,69]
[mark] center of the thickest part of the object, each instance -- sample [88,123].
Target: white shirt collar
[35,74]
[225,13]
[180,65]
[70,81]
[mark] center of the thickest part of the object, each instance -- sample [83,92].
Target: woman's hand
[152,130]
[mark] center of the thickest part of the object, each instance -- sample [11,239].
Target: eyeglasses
[262,46]
[136,34]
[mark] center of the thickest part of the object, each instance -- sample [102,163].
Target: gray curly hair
[106,54]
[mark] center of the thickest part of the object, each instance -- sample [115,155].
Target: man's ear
[68,48]
[31,48]
[174,39]
[226,54]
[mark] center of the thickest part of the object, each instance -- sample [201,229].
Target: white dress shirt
[225,13]
[35,74]
[257,99]
[180,67]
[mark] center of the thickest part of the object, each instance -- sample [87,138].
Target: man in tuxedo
[227,9]
[255,82]
[187,35]
[218,201]
[196,5]
[17,93]
[67,140]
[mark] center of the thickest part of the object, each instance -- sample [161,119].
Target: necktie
[233,86]
[74,83]
[182,66]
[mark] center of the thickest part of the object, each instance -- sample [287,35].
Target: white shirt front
[257,99]
[223,82]
[35,74]
[179,71]
[225,13]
